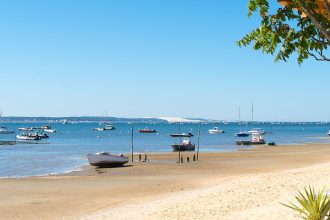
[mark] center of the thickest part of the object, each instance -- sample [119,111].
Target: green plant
[312,205]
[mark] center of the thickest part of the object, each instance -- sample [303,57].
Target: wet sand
[248,184]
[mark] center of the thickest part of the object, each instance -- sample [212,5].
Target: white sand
[255,196]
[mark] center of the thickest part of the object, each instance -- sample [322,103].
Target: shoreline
[254,178]
[85,166]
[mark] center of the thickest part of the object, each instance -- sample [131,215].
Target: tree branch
[327,7]
[311,16]
[317,58]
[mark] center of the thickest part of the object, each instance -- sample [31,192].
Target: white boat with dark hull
[255,139]
[50,130]
[26,129]
[257,130]
[27,137]
[186,145]
[109,127]
[5,130]
[41,135]
[106,128]
[106,159]
[216,130]
[182,135]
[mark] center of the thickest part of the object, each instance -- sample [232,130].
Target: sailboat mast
[239,114]
[252,111]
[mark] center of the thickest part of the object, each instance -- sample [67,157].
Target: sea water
[66,150]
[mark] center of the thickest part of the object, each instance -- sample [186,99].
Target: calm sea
[66,150]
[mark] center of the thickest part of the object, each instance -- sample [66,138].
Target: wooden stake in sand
[199,135]
[132,140]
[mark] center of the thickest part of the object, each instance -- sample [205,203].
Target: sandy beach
[247,184]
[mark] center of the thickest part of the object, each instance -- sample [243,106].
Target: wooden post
[180,143]
[199,134]
[132,142]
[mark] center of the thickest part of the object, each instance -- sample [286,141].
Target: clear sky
[130,58]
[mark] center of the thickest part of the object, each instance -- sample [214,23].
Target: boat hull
[100,160]
[249,142]
[242,135]
[147,131]
[28,138]
[216,132]
[182,135]
[183,147]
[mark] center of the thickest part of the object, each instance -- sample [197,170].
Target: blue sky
[131,58]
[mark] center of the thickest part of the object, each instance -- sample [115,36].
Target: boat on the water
[216,130]
[186,145]
[147,130]
[329,133]
[27,137]
[49,130]
[109,128]
[106,128]
[242,134]
[182,135]
[105,123]
[106,159]
[26,129]
[5,130]
[255,139]
[257,130]
[98,129]
[41,135]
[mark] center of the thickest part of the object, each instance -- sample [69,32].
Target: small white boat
[26,129]
[329,133]
[106,159]
[257,130]
[27,137]
[99,129]
[104,123]
[50,130]
[109,128]
[216,130]
[5,130]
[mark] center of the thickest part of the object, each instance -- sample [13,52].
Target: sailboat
[256,130]
[241,133]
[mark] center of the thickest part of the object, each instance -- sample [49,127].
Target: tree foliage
[297,27]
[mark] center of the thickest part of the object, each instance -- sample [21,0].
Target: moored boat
[27,137]
[329,133]
[49,130]
[182,135]
[186,145]
[109,128]
[216,130]
[255,139]
[26,129]
[146,130]
[41,135]
[106,159]
[242,134]
[98,129]
[257,130]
